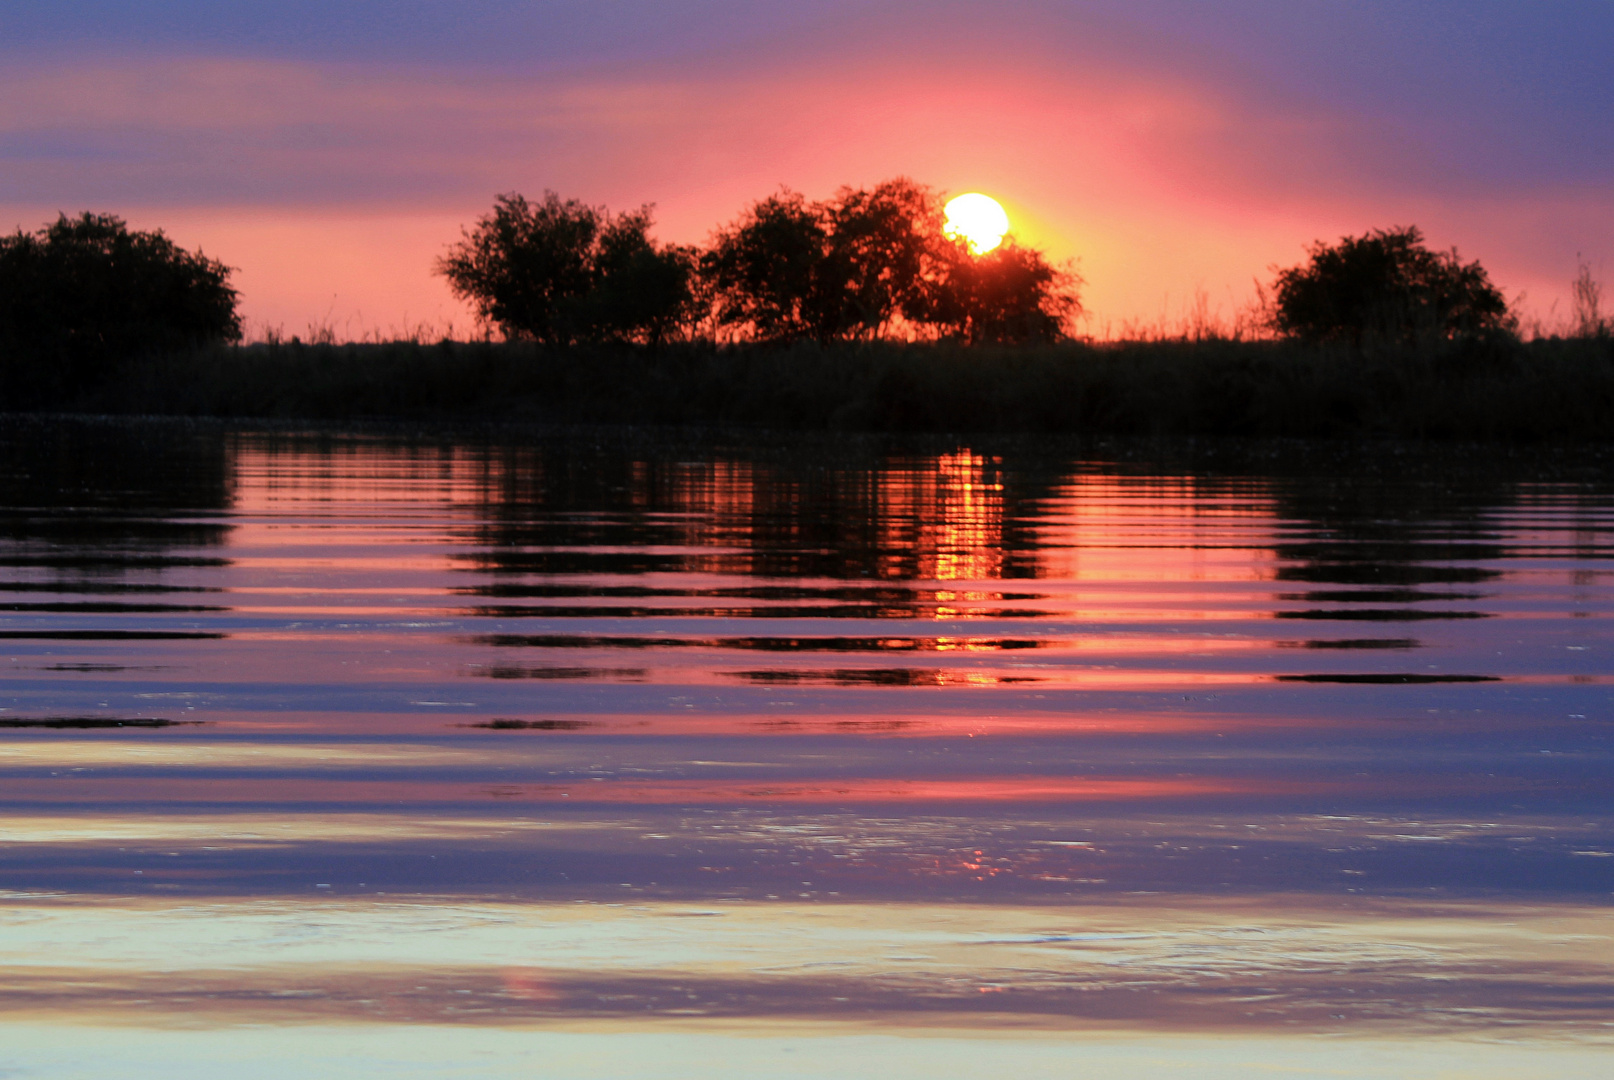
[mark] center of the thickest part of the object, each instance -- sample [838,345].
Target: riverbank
[1549,389]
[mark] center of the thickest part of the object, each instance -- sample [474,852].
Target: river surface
[643,755]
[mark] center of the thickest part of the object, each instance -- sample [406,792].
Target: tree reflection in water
[1148,738]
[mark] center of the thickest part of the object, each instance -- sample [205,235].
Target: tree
[642,291]
[876,263]
[85,293]
[1386,284]
[560,271]
[1009,294]
[852,267]
[884,247]
[765,271]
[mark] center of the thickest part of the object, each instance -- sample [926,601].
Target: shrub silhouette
[84,294]
[870,264]
[561,272]
[1386,285]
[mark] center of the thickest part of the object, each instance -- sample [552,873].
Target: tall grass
[1553,388]
[1588,320]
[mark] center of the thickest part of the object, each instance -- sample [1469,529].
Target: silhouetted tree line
[863,265]
[873,264]
[83,296]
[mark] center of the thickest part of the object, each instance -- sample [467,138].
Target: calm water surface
[613,754]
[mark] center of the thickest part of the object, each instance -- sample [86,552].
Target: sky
[1176,150]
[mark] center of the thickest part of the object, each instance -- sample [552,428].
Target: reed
[1550,388]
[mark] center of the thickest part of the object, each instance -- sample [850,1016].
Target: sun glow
[978,219]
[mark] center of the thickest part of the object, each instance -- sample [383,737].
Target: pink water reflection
[993,687]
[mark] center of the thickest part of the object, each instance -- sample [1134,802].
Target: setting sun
[978,219]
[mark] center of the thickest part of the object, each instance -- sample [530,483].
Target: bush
[1387,286]
[562,272]
[85,294]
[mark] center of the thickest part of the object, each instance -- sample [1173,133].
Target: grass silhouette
[1548,388]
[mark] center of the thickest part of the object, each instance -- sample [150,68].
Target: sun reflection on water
[649,731]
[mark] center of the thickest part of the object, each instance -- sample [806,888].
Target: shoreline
[1548,390]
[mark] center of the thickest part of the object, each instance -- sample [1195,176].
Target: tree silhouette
[882,254]
[765,271]
[876,263]
[85,293]
[642,291]
[1009,294]
[560,271]
[1386,285]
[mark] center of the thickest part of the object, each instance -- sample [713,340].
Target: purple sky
[332,150]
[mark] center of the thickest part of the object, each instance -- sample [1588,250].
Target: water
[624,754]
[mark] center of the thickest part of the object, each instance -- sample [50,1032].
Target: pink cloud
[335,187]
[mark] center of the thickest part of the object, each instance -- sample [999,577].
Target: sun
[978,219]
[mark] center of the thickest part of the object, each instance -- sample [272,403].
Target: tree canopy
[1387,285]
[560,271]
[85,292]
[864,264]
[766,271]
[1008,294]
[876,263]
